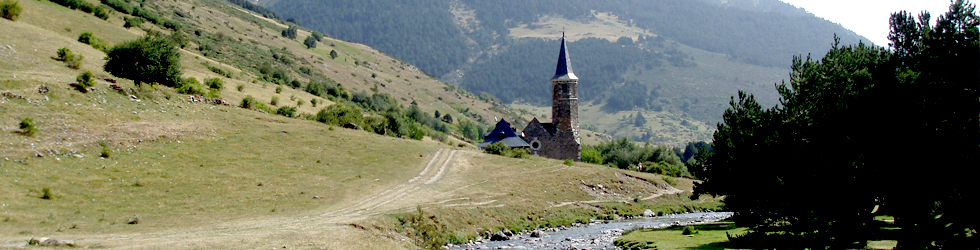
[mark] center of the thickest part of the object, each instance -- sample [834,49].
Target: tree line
[862,131]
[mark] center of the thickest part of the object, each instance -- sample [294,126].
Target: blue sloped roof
[503,132]
[564,69]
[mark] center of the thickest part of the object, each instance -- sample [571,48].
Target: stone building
[558,139]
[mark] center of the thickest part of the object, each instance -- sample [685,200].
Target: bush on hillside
[27,127]
[85,80]
[100,12]
[290,32]
[88,38]
[274,101]
[591,155]
[119,5]
[499,148]
[10,9]
[310,42]
[129,22]
[71,60]
[341,114]
[190,86]
[214,83]
[153,58]
[286,111]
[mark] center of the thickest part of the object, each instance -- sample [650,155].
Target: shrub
[190,86]
[689,230]
[591,155]
[10,9]
[218,70]
[151,59]
[310,42]
[499,148]
[278,89]
[274,101]
[85,80]
[286,111]
[314,102]
[71,60]
[241,88]
[27,127]
[88,38]
[119,5]
[290,32]
[100,12]
[214,83]
[568,162]
[213,93]
[317,35]
[249,102]
[105,149]
[340,114]
[130,22]
[300,102]
[46,194]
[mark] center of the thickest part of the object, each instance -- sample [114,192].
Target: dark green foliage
[241,88]
[689,230]
[317,35]
[286,111]
[255,7]
[190,86]
[218,70]
[119,5]
[326,88]
[71,60]
[85,80]
[833,109]
[100,13]
[380,102]
[150,59]
[591,154]
[310,42]
[27,127]
[639,120]
[274,101]
[290,32]
[471,130]
[333,54]
[99,44]
[105,149]
[129,22]
[75,4]
[295,84]
[10,9]
[417,37]
[625,154]
[249,102]
[278,89]
[46,194]
[214,83]
[314,102]
[499,148]
[341,114]
[447,118]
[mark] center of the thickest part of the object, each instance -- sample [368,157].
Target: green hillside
[682,57]
[114,164]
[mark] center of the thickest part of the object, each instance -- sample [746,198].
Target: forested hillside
[676,56]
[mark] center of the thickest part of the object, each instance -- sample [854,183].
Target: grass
[112,164]
[708,236]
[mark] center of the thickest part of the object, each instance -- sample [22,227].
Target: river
[596,235]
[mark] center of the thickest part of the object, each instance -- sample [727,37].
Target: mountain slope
[506,48]
[148,167]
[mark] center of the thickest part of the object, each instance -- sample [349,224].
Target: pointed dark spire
[564,69]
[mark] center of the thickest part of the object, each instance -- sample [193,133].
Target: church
[558,139]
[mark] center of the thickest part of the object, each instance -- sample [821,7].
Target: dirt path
[330,230]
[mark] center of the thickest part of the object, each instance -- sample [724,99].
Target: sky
[869,18]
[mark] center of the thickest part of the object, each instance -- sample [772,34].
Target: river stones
[499,236]
[538,234]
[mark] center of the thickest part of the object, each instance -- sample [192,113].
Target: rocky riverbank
[594,235]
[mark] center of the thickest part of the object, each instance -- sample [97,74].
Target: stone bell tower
[564,107]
